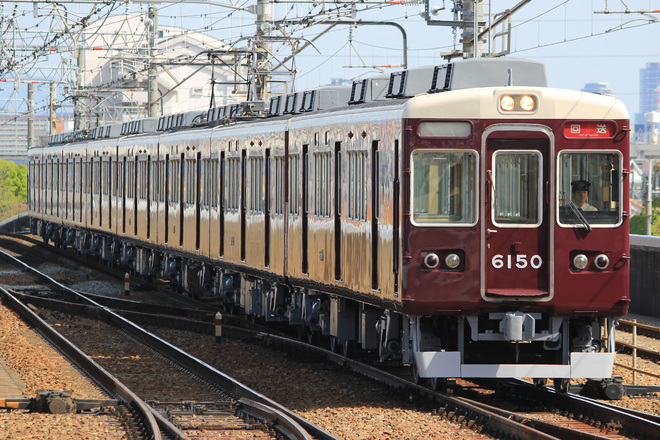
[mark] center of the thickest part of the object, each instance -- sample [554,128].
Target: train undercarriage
[503,344]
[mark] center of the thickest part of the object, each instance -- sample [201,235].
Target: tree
[13,188]
[638,222]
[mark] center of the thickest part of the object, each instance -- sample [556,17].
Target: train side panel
[172,150]
[342,179]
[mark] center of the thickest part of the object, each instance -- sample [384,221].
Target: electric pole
[30,121]
[152,31]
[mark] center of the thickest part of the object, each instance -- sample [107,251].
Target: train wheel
[347,348]
[540,382]
[415,376]
[334,344]
[439,384]
[561,386]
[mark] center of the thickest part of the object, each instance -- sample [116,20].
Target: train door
[267,199]
[305,213]
[517,215]
[243,201]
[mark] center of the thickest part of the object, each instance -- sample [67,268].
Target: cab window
[589,188]
[444,188]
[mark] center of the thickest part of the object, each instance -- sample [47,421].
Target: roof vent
[369,89]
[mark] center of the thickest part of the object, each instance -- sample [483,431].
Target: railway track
[165,419]
[493,421]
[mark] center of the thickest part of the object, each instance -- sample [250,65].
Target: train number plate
[519,261]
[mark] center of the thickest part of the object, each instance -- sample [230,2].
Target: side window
[294,184]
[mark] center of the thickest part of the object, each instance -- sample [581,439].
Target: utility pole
[80,83]
[472,15]
[51,108]
[30,124]
[468,17]
[152,32]
[261,54]
[649,201]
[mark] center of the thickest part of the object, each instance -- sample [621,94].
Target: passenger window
[444,188]
[589,188]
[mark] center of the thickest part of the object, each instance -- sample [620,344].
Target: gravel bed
[650,403]
[347,406]
[41,367]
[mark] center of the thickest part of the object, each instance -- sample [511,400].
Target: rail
[289,424]
[151,420]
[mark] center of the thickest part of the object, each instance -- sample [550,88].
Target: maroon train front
[465,219]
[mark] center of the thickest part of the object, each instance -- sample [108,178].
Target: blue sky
[577,45]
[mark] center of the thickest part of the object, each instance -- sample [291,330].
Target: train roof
[465,76]
[564,105]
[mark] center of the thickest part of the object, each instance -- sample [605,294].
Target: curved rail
[642,425]
[150,422]
[492,419]
[280,418]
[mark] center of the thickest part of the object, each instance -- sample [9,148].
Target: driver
[580,195]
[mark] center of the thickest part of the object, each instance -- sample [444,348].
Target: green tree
[13,188]
[638,222]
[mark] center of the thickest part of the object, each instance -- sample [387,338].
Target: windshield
[589,189]
[444,187]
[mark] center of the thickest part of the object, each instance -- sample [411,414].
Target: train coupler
[56,402]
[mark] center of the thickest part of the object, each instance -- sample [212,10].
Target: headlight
[452,261]
[602,261]
[580,261]
[507,103]
[527,103]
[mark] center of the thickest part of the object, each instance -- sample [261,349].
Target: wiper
[578,214]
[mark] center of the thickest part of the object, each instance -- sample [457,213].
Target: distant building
[649,90]
[602,88]
[117,70]
[13,134]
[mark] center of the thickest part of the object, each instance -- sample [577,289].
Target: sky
[577,45]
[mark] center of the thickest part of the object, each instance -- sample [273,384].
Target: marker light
[602,261]
[507,103]
[452,261]
[431,261]
[527,103]
[580,261]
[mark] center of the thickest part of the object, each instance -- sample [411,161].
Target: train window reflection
[445,129]
[517,188]
[589,188]
[444,188]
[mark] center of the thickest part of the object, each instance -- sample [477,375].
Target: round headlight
[580,261]
[431,261]
[452,261]
[527,103]
[507,103]
[602,261]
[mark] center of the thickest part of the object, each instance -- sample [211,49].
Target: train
[433,217]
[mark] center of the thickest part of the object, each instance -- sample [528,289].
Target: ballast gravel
[41,367]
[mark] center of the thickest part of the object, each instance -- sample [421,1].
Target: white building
[116,70]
